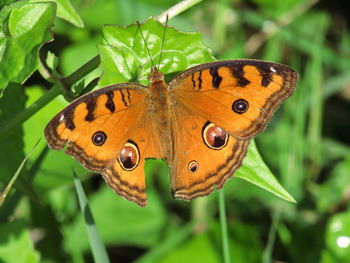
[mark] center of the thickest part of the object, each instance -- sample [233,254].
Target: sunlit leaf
[22,34]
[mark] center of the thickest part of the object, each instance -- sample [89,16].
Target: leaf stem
[200,214]
[267,254]
[177,9]
[14,177]
[223,224]
[81,72]
[270,28]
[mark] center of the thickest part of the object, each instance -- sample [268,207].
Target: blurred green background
[306,145]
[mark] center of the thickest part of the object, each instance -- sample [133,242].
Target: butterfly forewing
[98,126]
[237,95]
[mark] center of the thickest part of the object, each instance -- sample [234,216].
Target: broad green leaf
[124,55]
[25,30]
[16,244]
[255,171]
[7,8]
[66,11]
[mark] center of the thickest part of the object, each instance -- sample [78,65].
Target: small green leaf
[255,171]
[24,32]
[48,68]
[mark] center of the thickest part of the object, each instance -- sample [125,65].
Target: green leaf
[16,244]
[98,249]
[22,34]
[255,171]
[124,55]
[48,67]
[66,11]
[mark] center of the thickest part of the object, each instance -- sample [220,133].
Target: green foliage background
[48,56]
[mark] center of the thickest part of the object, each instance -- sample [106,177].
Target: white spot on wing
[61,118]
[273,69]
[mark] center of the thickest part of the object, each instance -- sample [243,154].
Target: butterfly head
[155,76]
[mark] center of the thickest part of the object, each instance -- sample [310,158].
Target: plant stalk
[224,231]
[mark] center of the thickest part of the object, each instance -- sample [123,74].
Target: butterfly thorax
[160,103]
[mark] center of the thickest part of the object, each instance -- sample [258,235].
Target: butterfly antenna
[133,44]
[163,39]
[144,40]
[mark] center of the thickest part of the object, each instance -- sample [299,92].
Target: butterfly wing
[98,126]
[221,105]
[196,168]
[239,95]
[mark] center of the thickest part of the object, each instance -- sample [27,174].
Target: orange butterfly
[200,123]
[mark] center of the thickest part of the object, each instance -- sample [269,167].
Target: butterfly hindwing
[200,163]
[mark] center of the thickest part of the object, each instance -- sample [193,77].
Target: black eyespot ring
[193,166]
[240,106]
[99,138]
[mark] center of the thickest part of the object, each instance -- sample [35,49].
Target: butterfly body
[200,123]
[160,109]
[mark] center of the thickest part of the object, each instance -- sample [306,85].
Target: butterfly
[200,123]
